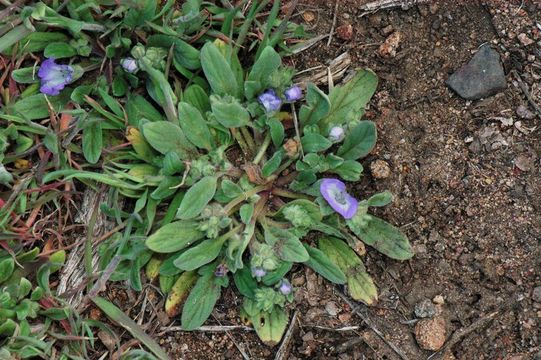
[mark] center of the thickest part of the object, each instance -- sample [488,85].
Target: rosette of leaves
[245,184]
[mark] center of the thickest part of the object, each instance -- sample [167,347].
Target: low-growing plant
[236,173]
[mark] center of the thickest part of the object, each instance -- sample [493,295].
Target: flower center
[340,197]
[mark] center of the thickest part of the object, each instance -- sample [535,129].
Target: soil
[465,176]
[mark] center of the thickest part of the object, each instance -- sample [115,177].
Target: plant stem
[245,195]
[297,131]
[240,140]
[262,149]
[289,194]
[248,137]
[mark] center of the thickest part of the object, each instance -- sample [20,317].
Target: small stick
[524,89]
[283,351]
[297,131]
[366,319]
[210,328]
[387,4]
[333,23]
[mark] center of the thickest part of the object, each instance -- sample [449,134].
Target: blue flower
[285,287]
[334,191]
[54,77]
[270,101]
[258,272]
[292,94]
[129,64]
[336,134]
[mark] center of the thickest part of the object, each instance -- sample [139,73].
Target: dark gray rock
[483,76]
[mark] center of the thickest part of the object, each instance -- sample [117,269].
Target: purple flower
[221,270]
[258,272]
[334,191]
[270,101]
[292,94]
[129,64]
[285,287]
[54,77]
[336,134]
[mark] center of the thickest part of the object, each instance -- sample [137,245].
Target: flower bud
[270,101]
[336,134]
[292,94]
[285,287]
[129,65]
[258,272]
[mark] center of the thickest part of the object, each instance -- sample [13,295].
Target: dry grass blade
[115,314]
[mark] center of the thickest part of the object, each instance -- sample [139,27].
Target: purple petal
[46,67]
[270,101]
[47,89]
[334,192]
[54,77]
[285,287]
[294,93]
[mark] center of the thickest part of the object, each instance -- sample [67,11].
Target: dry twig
[283,351]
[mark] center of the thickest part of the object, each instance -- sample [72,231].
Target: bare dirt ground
[467,185]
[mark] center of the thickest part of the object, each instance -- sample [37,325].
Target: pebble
[380,169]
[481,77]
[331,308]
[524,113]
[389,48]
[387,30]
[439,300]
[431,333]
[524,39]
[345,32]
[425,309]
[536,294]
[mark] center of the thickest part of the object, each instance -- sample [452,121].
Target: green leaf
[139,11]
[268,62]
[382,236]
[276,130]
[194,126]
[27,75]
[200,302]
[312,143]
[380,199]
[179,292]
[92,141]
[272,164]
[245,283]
[123,320]
[231,189]
[246,211]
[318,106]
[184,54]
[229,112]
[288,247]
[7,328]
[320,263]
[349,170]
[199,255]
[59,50]
[349,100]
[270,327]
[360,285]
[217,71]
[7,266]
[38,41]
[174,236]
[197,197]
[196,96]
[276,275]
[165,136]
[359,142]
[137,108]
[35,107]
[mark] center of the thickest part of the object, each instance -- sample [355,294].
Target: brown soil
[466,181]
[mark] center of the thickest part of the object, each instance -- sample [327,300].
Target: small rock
[439,300]
[331,308]
[309,336]
[536,294]
[308,16]
[523,162]
[380,169]
[524,113]
[390,46]
[345,32]
[387,30]
[483,76]
[524,39]
[344,317]
[423,10]
[433,7]
[425,309]
[430,333]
